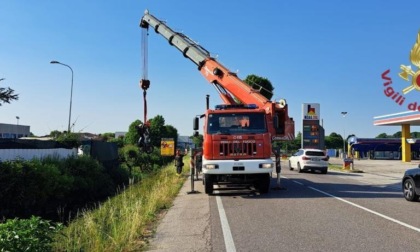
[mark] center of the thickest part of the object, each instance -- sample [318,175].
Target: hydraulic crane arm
[227,83]
[231,89]
[189,48]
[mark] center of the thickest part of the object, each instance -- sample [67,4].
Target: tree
[334,141]
[398,134]
[55,134]
[260,83]
[107,136]
[171,132]
[119,141]
[132,135]
[157,130]
[382,135]
[294,145]
[69,139]
[7,95]
[415,134]
[110,137]
[198,140]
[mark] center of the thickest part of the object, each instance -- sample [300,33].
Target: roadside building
[12,131]
[380,148]
[184,142]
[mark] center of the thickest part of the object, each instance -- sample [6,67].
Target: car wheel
[290,166]
[299,169]
[409,192]
[324,171]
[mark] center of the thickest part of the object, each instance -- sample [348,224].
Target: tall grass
[124,222]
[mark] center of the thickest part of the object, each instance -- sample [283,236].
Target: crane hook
[143,129]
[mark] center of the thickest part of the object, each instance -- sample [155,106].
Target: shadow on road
[298,188]
[302,188]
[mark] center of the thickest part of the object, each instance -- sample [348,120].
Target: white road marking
[363,208]
[297,182]
[227,235]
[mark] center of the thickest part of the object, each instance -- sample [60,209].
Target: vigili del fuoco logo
[407,74]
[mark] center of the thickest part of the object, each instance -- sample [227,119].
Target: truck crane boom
[230,88]
[237,135]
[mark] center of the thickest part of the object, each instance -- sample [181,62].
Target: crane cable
[144,82]
[143,129]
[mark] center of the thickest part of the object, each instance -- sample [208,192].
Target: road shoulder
[173,234]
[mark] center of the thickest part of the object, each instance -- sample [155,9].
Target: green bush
[32,234]
[119,175]
[129,154]
[91,182]
[139,163]
[30,187]
[69,139]
[42,187]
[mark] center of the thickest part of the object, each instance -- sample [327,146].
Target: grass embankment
[340,168]
[124,222]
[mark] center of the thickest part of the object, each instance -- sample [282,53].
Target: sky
[331,52]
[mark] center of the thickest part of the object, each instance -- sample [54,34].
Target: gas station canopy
[405,120]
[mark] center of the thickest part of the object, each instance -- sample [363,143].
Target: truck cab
[236,147]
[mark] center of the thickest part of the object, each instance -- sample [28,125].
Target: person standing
[179,161]
[192,159]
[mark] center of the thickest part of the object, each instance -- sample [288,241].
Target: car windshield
[236,123]
[315,153]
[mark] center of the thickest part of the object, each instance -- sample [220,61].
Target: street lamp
[344,135]
[17,118]
[71,90]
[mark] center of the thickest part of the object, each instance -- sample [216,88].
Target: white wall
[28,154]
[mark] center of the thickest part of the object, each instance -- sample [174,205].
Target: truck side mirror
[196,123]
[276,122]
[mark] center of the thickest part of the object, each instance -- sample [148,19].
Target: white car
[309,159]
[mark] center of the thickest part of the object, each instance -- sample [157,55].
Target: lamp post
[344,136]
[17,118]
[71,90]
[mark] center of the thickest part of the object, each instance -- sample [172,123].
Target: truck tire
[264,183]
[208,184]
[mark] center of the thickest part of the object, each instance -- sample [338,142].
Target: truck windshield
[236,123]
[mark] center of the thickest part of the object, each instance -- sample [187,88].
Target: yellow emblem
[407,71]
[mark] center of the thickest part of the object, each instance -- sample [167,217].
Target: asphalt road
[304,212]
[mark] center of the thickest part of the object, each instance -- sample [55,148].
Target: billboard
[312,131]
[167,147]
[310,111]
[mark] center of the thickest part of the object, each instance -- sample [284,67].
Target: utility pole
[344,136]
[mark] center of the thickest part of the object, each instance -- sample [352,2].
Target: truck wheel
[264,183]
[208,184]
